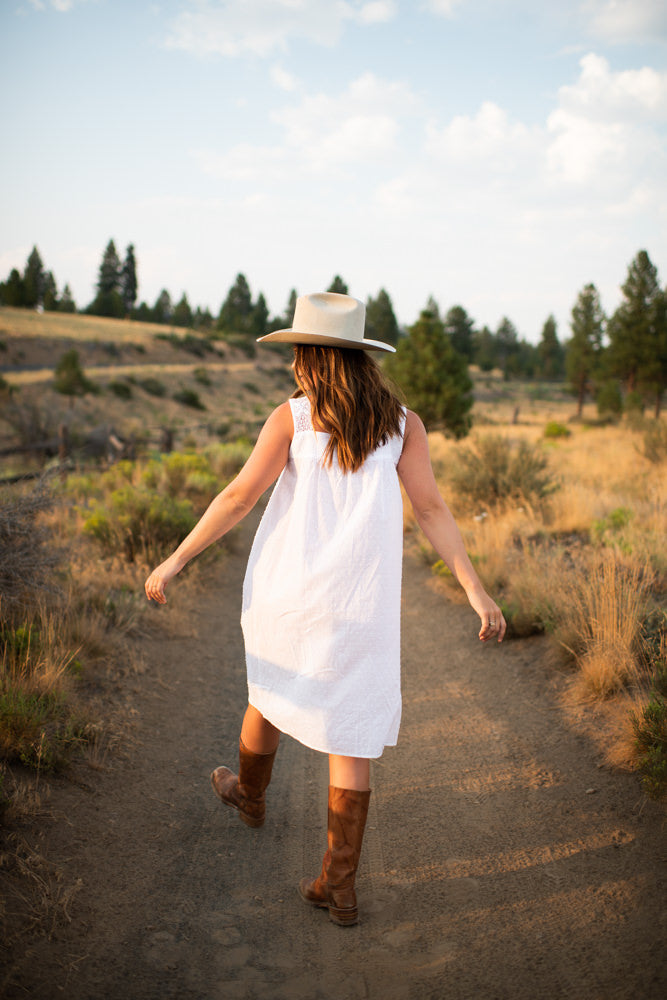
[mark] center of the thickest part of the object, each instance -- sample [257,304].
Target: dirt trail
[490,867]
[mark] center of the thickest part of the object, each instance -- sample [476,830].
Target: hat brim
[322,340]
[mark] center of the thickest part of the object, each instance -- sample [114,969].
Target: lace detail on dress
[301,414]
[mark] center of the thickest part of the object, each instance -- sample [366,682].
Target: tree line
[620,361]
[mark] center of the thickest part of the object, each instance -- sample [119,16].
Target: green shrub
[137,523]
[36,730]
[655,441]
[121,389]
[650,729]
[608,530]
[69,377]
[188,397]
[177,467]
[153,386]
[555,430]
[202,376]
[493,472]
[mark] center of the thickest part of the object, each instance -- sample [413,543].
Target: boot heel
[344,918]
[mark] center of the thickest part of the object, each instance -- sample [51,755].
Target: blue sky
[497,155]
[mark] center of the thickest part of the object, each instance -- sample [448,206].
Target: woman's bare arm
[268,459]
[436,521]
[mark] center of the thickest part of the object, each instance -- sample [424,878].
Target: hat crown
[330,314]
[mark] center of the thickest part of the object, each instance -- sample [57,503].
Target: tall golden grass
[587,563]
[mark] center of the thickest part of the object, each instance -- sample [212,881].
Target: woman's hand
[159,579]
[493,623]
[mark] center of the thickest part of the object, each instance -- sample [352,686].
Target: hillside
[136,369]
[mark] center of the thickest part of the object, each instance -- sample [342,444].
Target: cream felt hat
[327,319]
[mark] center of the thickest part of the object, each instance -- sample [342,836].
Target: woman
[321,597]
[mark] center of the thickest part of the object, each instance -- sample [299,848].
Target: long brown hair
[348,396]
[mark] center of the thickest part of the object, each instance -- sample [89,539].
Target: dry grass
[587,563]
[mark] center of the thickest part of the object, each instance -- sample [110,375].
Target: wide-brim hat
[327,319]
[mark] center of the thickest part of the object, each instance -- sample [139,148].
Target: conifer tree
[50,299]
[260,317]
[634,335]
[34,280]
[433,376]
[338,285]
[128,284]
[551,358]
[66,301]
[584,351]
[182,314]
[163,309]
[236,311]
[12,291]
[381,322]
[460,328]
[108,279]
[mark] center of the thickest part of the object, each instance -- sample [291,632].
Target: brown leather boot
[334,886]
[245,791]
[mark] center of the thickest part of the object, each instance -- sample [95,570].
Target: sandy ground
[501,859]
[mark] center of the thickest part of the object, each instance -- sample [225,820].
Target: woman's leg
[258,735]
[245,791]
[349,796]
[349,772]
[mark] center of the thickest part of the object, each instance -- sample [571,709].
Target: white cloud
[359,125]
[489,139]
[283,79]
[445,8]
[60,5]
[242,163]
[606,127]
[627,20]
[322,134]
[377,12]
[601,94]
[234,27]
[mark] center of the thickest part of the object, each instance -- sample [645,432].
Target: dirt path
[500,860]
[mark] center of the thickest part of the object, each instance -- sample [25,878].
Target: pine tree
[163,309]
[66,302]
[128,284]
[507,346]
[182,314]
[584,351]
[460,328]
[236,311]
[380,319]
[108,301]
[34,280]
[551,358]
[260,317]
[12,292]
[485,351]
[109,274]
[338,285]
[634,354]
[50,299]
[433,376]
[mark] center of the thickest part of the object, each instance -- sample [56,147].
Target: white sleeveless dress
[321,598]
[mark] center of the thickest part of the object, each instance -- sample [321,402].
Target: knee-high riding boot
[334,886]
[245,791]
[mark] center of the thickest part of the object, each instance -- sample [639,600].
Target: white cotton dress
[321,598]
